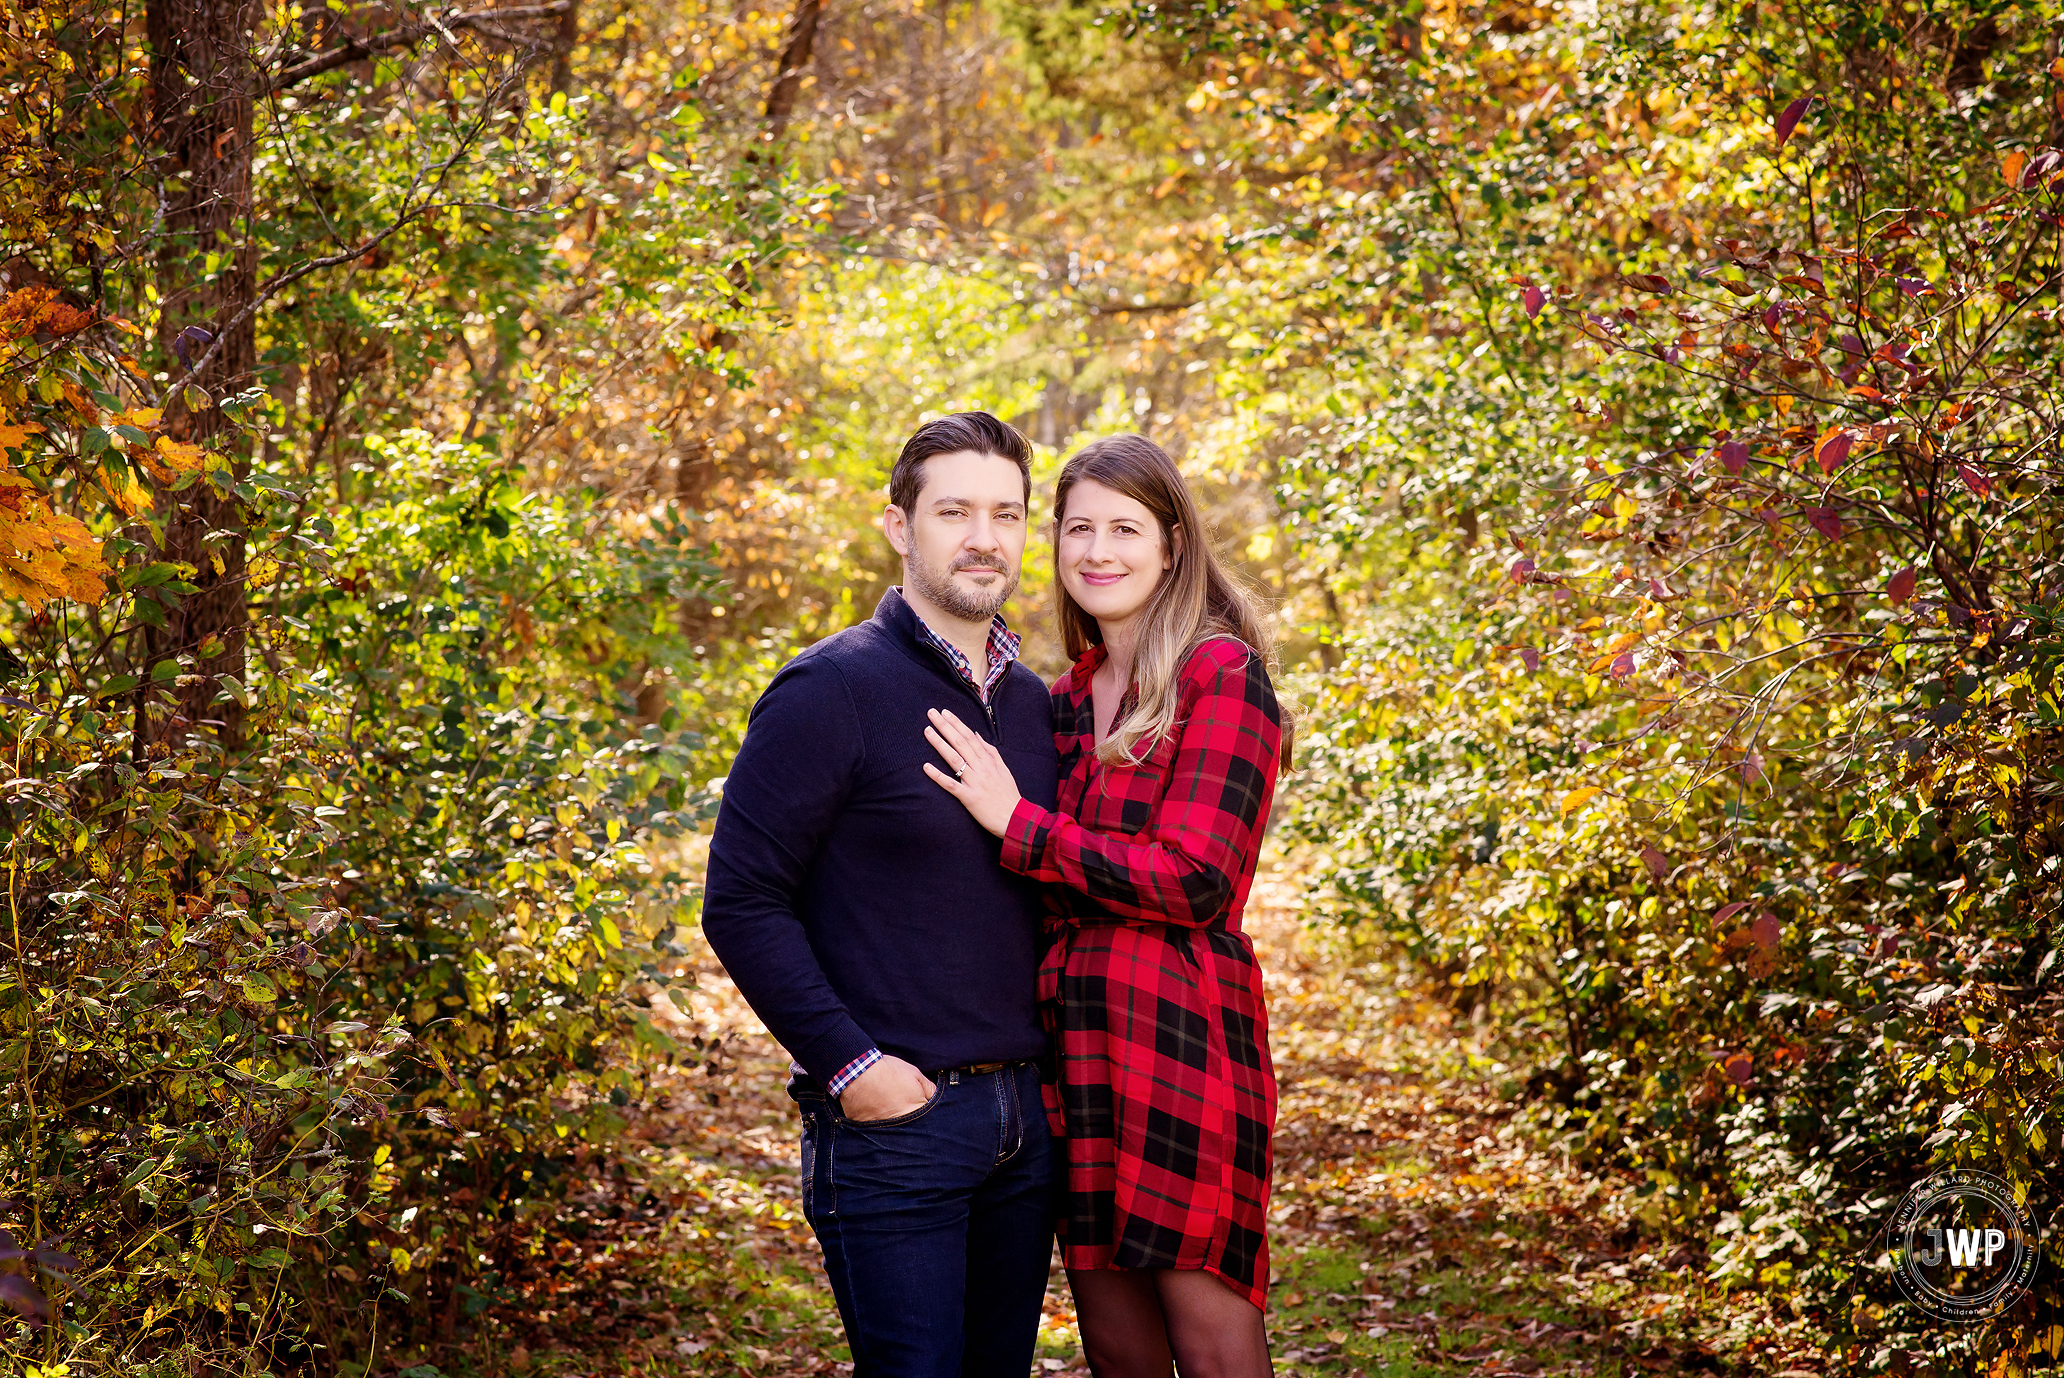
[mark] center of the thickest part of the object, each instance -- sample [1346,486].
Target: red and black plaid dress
[1151,991]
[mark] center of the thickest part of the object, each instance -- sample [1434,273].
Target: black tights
[1152,1323]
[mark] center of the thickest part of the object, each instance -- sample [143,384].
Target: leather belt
[980,1069]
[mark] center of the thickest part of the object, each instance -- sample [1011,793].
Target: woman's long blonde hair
[1194,601]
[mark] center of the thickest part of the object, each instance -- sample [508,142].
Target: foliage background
[1644,416]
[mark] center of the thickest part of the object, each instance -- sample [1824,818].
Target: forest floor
[1418,1227]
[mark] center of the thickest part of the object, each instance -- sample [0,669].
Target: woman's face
[1112,553]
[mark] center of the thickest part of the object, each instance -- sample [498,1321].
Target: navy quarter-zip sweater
[857,904]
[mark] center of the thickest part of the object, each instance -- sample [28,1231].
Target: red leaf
[1623,665]
[1535,300]
[1771,316]
[1523,570]
[1916,287]
[1901,588]
[1649,282]
[1530,658]
[1789,120]
[1826,521]
[25,1298]
[1833,449]
[1766,930]
[1728,911]
[1735,456]
[1740,1068]
[1658,864]
[1975,481]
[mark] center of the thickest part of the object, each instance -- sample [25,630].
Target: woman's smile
[1111,552]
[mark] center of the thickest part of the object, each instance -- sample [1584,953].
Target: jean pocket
[898,1121]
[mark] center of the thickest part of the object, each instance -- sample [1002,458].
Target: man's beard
[969,606]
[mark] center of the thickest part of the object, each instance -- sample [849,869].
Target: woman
[1169,738]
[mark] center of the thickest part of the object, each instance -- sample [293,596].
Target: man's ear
[896,527]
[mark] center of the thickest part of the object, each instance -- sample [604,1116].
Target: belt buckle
[982,1069]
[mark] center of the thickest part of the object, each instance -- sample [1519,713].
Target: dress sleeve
[1181,867]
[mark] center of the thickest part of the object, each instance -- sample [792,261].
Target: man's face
[964,541]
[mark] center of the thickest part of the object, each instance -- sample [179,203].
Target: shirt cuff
[850,1073]
[1024,837]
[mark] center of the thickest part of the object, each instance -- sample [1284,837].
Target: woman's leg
[1124,1333]
[1213,1330]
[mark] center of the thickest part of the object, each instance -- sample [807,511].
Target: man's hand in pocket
[891,1087]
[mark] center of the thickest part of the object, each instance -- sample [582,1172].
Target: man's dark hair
[945,435]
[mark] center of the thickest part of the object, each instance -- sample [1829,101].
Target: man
[865,917]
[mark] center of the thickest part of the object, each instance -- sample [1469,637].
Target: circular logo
[1962,1248]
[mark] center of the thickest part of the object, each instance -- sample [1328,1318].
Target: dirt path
[1416,1229]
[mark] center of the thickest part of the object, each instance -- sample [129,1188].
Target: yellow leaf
[1625,641]
[1577,798]
[122,489]
[143,418]
[178,454]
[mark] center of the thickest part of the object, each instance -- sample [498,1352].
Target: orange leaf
[2010,167]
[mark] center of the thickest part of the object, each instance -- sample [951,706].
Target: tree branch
[357,49]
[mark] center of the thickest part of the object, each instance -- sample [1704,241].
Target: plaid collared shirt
[1003,649]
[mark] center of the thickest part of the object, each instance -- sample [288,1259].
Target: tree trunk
[200,111]
[795,58]
[563,43]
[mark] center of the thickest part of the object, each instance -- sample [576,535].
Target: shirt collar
[1004,645]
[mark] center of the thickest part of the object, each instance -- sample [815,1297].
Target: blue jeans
[937,1225]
